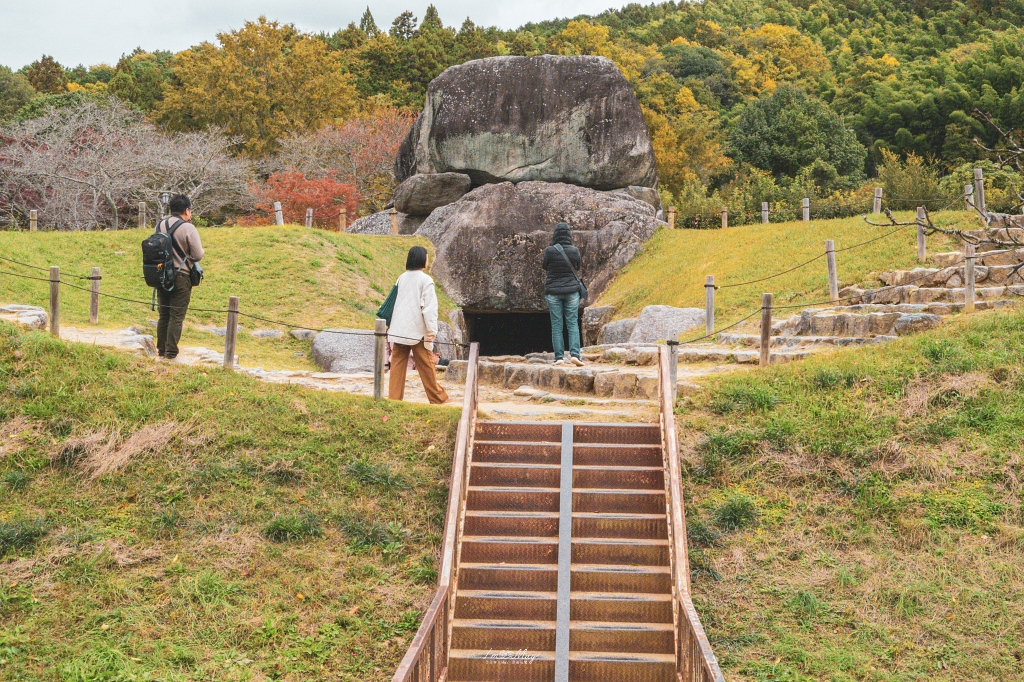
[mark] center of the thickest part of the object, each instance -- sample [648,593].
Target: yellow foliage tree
[774,54]
[584,38]
[264,81]
[688,145]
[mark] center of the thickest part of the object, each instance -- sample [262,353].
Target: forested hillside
[746,100]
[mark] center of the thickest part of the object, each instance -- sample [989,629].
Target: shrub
[365,534]
[738,511]
[16,480]
[742,397]
[325,195]
[18,535]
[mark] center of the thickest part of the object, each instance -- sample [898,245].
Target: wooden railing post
[142,214]
[231,333]
[764,212]
[394,220]
[979,193]
[55,300]
[380,329]
[805,204]
[921,250]
[671,214]
[673,365]
[833,280]
[94,297]
[766,329]
[342,220]
[278,213]
[33,220]
[877,206]
[969,279]
[969,197]
[709,305]
[309,217]
[725,218]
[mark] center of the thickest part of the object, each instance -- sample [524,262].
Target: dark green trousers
[173,305]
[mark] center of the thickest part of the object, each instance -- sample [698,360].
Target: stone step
[988,257]
[954,277]
[842,323]
[924,295]
[754,340]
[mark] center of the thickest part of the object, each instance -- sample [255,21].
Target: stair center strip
[564,557]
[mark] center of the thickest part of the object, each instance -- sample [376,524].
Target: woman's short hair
[417,258]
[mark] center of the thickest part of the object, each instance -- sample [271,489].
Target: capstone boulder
[547,118]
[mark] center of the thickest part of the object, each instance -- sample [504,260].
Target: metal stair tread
[503,623]
[611,626]
[632,516]
[504,513]
[621,596]
[621,657]
[521,539]
[618,491]
[491,654]
[613,467]
[511,488]
[514,465]
[507,594]
[653,542]
[621,568]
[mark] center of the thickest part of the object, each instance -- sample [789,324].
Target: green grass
[859,515]
[674,265]
[304,276]
[277,533]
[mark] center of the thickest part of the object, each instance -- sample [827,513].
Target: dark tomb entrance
[511,333]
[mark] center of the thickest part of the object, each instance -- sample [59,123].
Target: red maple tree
[326,196]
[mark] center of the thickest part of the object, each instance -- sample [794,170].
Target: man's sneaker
[559,362]
[576,361]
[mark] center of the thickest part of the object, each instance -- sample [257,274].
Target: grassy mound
[675,264]
[161,522]
[290,273]
[858,516]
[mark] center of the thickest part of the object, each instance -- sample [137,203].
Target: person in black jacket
[562,292]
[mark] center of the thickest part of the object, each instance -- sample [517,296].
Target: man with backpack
[174,285]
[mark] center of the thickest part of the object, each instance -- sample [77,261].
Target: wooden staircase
[564,558]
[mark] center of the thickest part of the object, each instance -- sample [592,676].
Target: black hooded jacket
[560,278]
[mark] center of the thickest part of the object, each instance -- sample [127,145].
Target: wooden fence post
[342,220]
[833,279]
[969,279]
[55,300]
[231,333]
[709,304]
[94,297]
[921,251]
[764,212]
[394,220]
[877,206]
[380,328]
[725,218]
[969,197]
[33,220]
[766,329]
[278,213]
[805,204]
[309,217]
[979,193]
[673,358]
[142,214]
[671,217]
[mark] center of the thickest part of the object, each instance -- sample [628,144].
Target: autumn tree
[265,80]
[139,78]
[47,75]
[326,196]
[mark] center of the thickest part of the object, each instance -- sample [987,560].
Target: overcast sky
[93,31]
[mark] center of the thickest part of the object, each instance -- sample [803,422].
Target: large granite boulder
[489,243]
[420,194]
[549,118]
[344,350]
[657,322]
[594,318]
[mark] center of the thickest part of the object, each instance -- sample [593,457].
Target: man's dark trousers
[173,306]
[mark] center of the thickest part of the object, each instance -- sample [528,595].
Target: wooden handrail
[427,657]
[695,661]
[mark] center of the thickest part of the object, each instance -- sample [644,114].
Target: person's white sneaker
[576,361]
[559,362]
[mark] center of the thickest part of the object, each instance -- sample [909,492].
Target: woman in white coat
[414,328]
